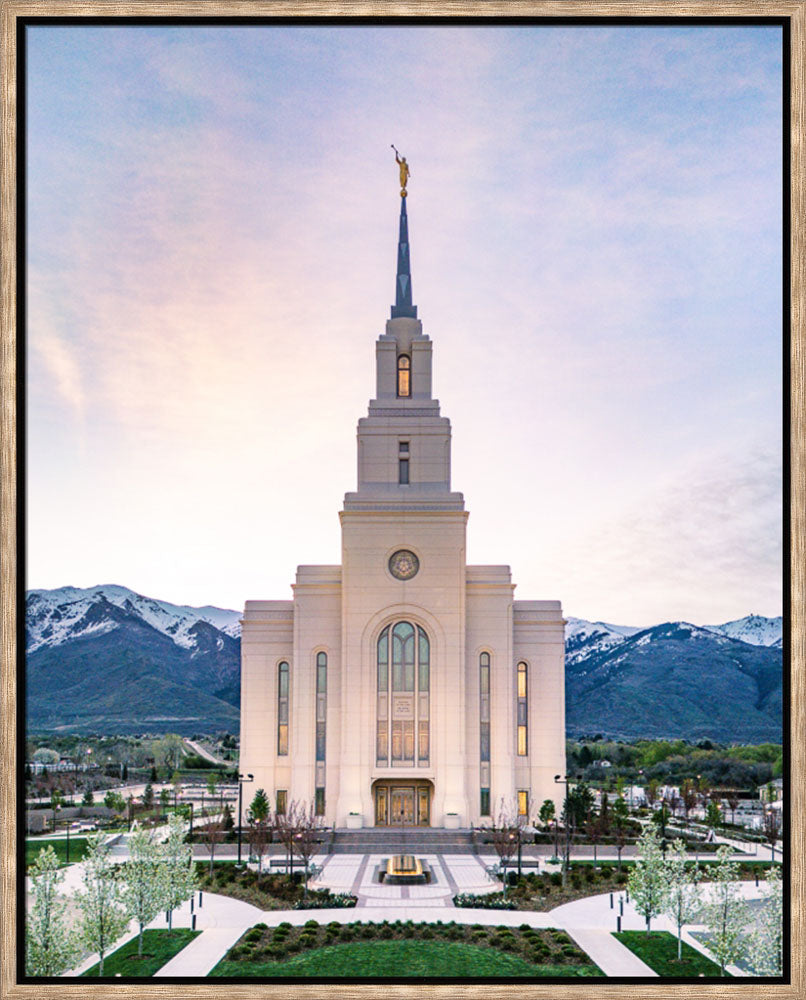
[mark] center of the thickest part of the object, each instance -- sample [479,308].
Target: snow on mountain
[582,638]
[53,616]
[753,629]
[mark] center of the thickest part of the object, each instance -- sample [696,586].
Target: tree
[505,835]
[771,829]
[153,774]
[725,914]
[688,795]
[304,828]
[89,798]
[258,829]
[621,816]
[169,751]
[732,798]
[212,835]
[165,798]
[713,817]
[49,946]
[56,802]
[142,888]
[547,814]
[179,872]
[229,822]
[148,796]
[651,793]
[661,817]
[44,755]
[647,879]
[114,801]
[767,941]
[102,916]
[683,899]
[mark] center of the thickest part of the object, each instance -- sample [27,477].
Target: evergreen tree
[726,915]
[683,900]
[153,775]
[102,916]
[89,798]
[49,946]
[767,941]
[229,822]
[143,891]
[148,796]
[647,879]
[259,809]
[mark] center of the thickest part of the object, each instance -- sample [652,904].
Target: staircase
[402,840]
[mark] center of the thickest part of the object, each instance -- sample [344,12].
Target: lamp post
[190,831]
[563,780]
[241,782]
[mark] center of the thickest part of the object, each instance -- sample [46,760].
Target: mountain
[107,659]
[110,660]
[679,680]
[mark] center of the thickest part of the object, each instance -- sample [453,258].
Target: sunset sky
[595,224]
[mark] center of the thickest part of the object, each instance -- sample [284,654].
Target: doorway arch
[402,801]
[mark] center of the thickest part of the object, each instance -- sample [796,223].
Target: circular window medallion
[404,564]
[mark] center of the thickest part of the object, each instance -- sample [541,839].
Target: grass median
[159,947]
[658,950]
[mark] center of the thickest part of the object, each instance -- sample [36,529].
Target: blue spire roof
[403,305]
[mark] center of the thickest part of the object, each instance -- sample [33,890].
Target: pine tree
[103,918]
[49,946]
[647,879]
[142,890]
[683,901]
[767,941]
[726,915]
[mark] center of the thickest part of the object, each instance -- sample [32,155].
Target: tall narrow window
[282,710]
[403,375]
[523,802]
[321,731]
[282,799]
[484,732]
[402,721]
[523,710]
[403,471]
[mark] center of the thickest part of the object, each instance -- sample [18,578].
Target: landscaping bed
[658,950]
[267,891]
[424,949]
[159,947]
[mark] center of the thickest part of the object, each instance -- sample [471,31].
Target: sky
[595,227]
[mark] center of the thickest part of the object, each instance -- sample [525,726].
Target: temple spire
[403,304]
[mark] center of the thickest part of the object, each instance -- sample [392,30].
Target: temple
[404,686]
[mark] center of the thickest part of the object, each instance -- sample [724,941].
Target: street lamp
[563,780]
[241,782]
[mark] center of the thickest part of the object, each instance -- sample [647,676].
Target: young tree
[89,798]
[647,879]
[258,829]
[504,833]
[115,801]
[651,793]
[148,796]
[621,816]
[767,941]
[165,798]
[49,946]
[725,914]
[688,795]
[102,915]
[306,827]
[226,815]
[732,798]
[212,835]
[547,814]
[713,817]
[178,870]
[142,889]
[683,900]
[771,829]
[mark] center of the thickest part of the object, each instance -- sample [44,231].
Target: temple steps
[401,840]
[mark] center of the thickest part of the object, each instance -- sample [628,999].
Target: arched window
[484,732]
[321,733]
[404,375]
[523,710]
[403,704]
[282,710]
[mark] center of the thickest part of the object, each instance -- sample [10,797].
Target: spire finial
[405,173]
[403,303]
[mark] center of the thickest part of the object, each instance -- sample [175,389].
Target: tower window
[282,710]
[404,447]
[523,711]
[404,667]
[404,375]
[403,471]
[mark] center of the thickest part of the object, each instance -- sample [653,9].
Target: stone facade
[404,686]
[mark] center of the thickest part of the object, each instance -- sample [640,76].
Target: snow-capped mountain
[56,616]
[755,629]
[582,638]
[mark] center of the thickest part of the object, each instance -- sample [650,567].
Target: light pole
[563,780]
[241,782]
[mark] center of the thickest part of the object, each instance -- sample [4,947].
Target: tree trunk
[679,942]
[140,943]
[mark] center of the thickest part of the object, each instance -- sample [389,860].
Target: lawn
[34,846]
[659,950]
[159,946]
[401,950]
[392,959]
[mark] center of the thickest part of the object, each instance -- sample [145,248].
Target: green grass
[159,946]
[659,951]
[77,845]
[386,959]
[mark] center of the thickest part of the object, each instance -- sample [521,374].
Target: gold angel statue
[405,173]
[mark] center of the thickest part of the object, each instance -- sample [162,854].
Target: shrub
[346,933]
[386,932]
[369,931]
[311,924]
[426,933]
[275,951]
[556,878]
[479,935]
[293,946]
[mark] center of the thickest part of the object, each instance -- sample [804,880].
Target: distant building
[404,686]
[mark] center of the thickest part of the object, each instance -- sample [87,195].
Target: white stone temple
[404,686]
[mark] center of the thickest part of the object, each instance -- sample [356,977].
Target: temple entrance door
[402,806]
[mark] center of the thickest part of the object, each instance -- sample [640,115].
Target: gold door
[422,806]
[381,817]
[402,806]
